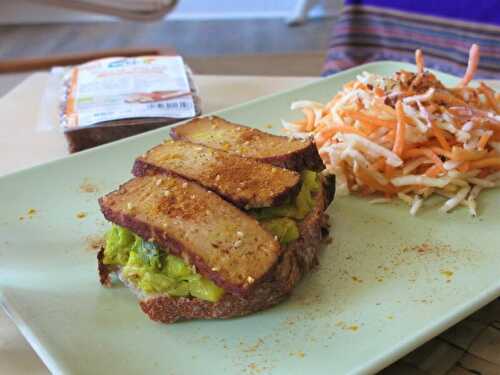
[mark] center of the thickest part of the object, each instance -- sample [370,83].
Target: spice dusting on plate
[94,243]
[88,187]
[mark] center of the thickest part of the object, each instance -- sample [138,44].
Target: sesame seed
[166,193]
[164,225]
[130,205]
[158,182]
[239,234]
[276,238]
[273,169]
[193,196]
[217,178]
[215,269]
[250,279]
[238,243]
[198,148]
[184,185]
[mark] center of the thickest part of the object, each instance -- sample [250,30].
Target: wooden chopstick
[43,63]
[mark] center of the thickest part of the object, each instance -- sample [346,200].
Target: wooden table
[470,347]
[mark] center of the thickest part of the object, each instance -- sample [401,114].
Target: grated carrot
[372,120]
[399,140]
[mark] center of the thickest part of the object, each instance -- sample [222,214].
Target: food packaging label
[124,88]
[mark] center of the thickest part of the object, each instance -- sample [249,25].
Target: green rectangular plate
[387,283]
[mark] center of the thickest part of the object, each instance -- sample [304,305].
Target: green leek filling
[155,271]
[281,221]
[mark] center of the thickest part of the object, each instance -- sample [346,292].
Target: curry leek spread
[282,220]
[155,271]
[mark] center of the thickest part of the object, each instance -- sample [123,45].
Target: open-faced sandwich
[212,225]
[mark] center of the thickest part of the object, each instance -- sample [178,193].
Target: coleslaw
[408,137]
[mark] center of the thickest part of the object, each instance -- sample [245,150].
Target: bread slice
[297,258]
[280,151]
[225,245]
[245,182]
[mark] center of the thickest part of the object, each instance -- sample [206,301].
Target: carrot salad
[408,137]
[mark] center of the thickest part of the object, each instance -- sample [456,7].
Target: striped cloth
[373,30]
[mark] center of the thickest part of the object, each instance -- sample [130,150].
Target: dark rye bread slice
[237,139]
[297,259]
[225,244]
[245,182]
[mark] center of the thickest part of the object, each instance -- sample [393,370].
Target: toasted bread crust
[245,182]
[297,259]
[280,151]
[224,244]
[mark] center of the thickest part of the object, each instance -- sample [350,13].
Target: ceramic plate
[387,283]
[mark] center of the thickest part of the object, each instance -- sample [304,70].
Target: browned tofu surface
[222,242]
[248,142]
[245,182]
